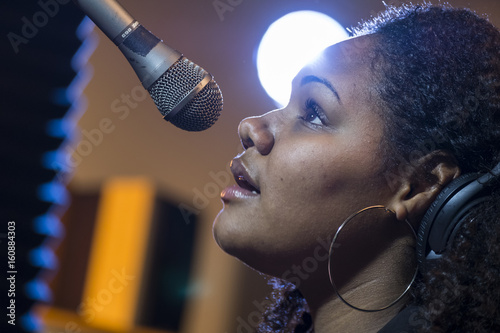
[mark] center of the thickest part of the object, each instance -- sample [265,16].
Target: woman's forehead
[353,50]
[348,59]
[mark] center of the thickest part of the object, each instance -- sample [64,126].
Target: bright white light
[290,43]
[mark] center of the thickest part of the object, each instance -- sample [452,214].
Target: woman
[387,118]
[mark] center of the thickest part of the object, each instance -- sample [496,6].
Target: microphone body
[185,93]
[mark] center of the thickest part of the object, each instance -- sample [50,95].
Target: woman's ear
[419,188]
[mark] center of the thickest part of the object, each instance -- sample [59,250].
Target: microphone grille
[175,84]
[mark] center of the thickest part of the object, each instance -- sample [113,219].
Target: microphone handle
[111,18]
[147,54]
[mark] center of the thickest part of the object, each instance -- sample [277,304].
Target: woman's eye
[313,113]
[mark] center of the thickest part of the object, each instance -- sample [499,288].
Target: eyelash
[313,109]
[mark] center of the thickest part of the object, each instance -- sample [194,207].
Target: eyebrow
[312,78]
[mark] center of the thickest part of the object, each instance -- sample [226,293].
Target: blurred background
[113,206]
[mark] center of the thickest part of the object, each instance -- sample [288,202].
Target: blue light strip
[55,191]
[38,290]
[43,257]
[49,225]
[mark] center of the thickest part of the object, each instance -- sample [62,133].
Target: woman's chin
[231,240]
[239,236]
[226,234]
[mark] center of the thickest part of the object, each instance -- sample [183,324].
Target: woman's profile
[376,130]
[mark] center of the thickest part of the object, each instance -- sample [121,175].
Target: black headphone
[449,210]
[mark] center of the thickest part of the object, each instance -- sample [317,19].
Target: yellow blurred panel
[117,256]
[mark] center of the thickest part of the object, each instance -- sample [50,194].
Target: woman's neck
[336,316]
[373,290]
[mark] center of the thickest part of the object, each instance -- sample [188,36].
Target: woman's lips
[236,192]
[245,186]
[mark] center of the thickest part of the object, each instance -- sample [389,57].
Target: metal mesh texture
[177,82]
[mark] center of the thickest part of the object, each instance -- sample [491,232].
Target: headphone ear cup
[429,221]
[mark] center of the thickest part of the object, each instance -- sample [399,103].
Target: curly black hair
[440,90]
[439,83]
[462,293]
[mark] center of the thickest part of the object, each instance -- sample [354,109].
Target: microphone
[185,93]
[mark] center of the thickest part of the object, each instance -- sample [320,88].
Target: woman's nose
[256,132]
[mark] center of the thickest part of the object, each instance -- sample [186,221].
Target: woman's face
[308,166]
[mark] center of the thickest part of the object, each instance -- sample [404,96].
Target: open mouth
[245,184]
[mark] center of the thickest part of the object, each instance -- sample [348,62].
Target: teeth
[254,192]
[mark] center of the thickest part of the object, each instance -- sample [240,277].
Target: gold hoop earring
[333,245]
